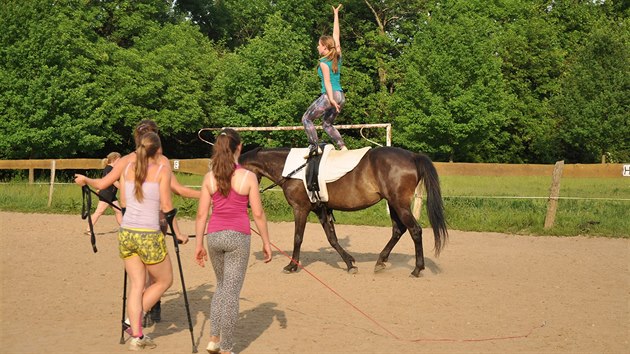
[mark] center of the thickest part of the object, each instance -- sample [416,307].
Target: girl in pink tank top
[228,189]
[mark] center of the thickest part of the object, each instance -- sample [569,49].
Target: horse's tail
[435,208]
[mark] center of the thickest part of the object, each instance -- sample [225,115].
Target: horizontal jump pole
[387,126]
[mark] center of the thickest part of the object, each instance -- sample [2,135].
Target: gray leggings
[229,254]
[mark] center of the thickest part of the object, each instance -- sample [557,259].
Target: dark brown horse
[383,173]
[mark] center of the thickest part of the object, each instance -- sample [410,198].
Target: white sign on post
[176,165]
[626,170]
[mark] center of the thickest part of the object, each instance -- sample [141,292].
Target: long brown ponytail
[223,164]
[148,146]
[333,55]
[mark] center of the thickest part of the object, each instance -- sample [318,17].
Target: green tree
[451,100]
[166,77]
[122,21]
[264,82]
[593,106]
[51,65]
[532,62]
[71,92]
[232,22]
[509,80]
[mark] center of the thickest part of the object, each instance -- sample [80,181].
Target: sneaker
[137,344]
[313,151]
[213,347]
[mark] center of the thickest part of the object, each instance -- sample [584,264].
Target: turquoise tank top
[335,78]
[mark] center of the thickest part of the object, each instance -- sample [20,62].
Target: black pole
[124,297]
[169,219]
[86,214]
[122,321]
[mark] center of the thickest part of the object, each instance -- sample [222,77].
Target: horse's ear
[248,153]
[253,148]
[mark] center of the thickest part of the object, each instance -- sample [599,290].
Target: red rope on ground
[387,330]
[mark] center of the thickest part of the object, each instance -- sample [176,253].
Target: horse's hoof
[353,270]
[289,270]
[378,267]
[415,274]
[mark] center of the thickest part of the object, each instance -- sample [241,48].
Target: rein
[87,209]
[283,179]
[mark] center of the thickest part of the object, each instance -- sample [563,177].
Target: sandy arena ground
[486,293]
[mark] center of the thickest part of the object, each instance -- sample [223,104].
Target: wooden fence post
[52,182]
[417,201]
[31,175]
[554,193]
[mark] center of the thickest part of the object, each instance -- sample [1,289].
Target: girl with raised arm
[331,99]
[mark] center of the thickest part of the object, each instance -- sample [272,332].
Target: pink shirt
[229,213]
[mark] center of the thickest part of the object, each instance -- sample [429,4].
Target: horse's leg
[300,225]
[416,235]
[407,218]
[325,219]
[398,229]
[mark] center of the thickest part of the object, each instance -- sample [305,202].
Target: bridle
[284,179]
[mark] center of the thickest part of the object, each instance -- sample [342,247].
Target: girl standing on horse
[331,100]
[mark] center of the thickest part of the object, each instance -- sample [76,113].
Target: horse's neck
[273,164]
[268,169]
[268,163]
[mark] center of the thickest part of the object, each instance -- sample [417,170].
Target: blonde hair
[333,55]
[111,157]
[148,147]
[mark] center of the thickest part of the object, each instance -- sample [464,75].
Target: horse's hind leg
[325,218]
[398,228]
[415,230]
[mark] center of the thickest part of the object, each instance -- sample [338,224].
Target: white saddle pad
[334,165]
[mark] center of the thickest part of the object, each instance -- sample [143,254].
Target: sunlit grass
[518,205]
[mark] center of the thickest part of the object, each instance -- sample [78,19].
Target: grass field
[518,205]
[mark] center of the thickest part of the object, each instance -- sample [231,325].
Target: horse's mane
[257,149]
[252,154]
[253,151]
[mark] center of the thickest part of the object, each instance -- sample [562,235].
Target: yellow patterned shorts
[149,245]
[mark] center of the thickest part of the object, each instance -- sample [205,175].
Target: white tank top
[145,214]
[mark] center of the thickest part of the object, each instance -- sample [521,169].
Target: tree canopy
[531,81]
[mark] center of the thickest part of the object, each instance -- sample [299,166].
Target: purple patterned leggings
[322,108]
